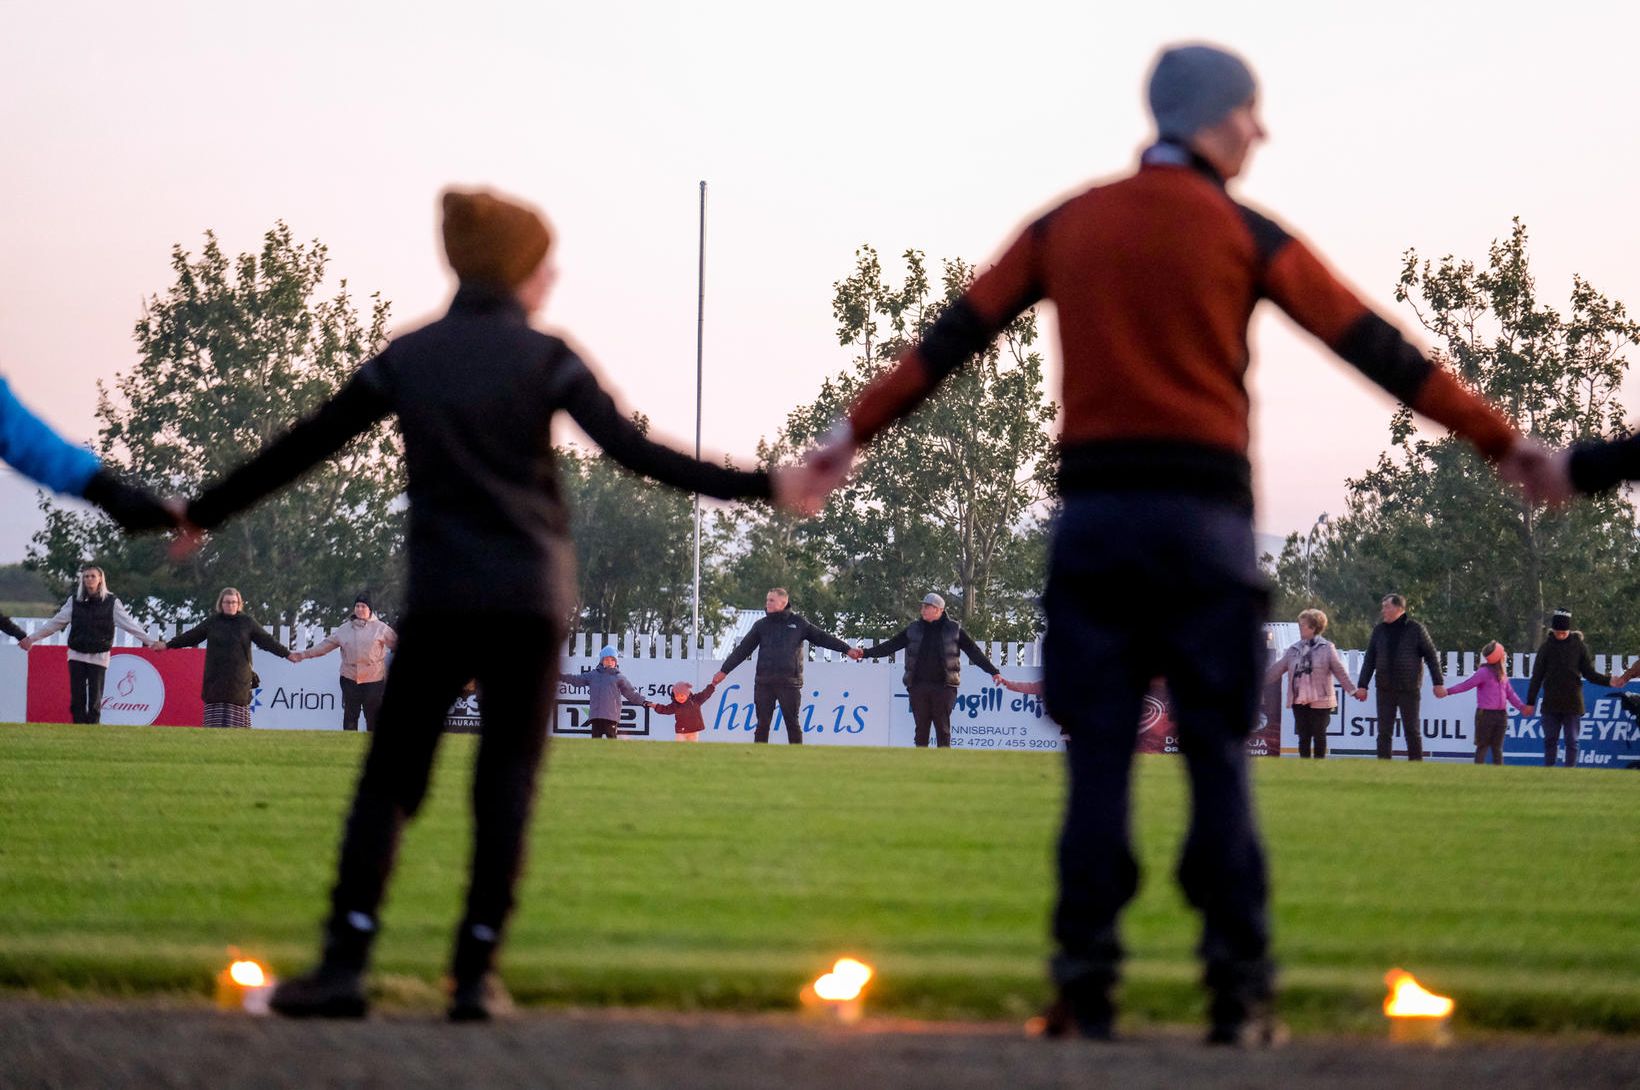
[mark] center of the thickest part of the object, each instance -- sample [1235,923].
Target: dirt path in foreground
[44,1044]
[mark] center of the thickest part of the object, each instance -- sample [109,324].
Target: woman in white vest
[365,640]
[91,617]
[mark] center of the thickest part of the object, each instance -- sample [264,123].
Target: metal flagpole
[700,334]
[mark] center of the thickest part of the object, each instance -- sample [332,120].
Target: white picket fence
[650,645]
[631,645]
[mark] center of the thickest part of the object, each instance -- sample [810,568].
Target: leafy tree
[943,501]
[232,354]
[1430,518]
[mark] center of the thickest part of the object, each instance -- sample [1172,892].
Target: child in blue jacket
[605,686]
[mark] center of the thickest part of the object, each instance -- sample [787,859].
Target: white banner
[13,683]
[1446,725]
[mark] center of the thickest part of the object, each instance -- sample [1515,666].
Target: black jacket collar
[475,297]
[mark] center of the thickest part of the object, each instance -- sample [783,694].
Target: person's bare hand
[1440,692]
[717,678]
[26,642]
[189,538]
[1361,693]
[1529,711]
[856,653]
[1544,475]
[803,489]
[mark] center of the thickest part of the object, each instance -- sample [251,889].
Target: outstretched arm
[1281,665]
[900,641]
[1297,281]
[191,638]
[743,650]
[127,623]
[1432,659]
[357,406]
[963,330]
[28,445]
[1585,666]
[1596,467]
[11,628]
[592,408]
[821,638]
[966,644]
[261,638]
[58,622]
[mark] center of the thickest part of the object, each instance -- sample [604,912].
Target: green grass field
[717,876]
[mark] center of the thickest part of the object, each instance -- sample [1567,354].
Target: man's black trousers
[85,691]
[361,696]
[931,707]
[517,672]
[1404,702]
[1144,585]
[765,695]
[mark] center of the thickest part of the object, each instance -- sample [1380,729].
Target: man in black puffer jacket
[778,639]
[1398,651]
[933,672]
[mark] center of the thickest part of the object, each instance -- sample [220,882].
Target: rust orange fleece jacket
[1154,278]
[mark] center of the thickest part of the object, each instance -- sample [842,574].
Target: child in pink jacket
[1492,688]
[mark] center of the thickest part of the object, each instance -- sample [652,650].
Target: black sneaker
[323,993]
[1077,1011]
[480,1001]
[1252,1026]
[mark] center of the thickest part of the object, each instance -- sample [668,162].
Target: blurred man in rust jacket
[1154,278]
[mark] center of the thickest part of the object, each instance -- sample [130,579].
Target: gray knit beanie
[1194,86]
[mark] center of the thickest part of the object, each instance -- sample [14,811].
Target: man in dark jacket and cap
[933,672]
[778,638]
[1398,651]
[1558,672]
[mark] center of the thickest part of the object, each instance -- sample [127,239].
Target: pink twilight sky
[130,127]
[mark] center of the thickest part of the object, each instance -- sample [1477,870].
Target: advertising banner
[1608,736]
[986,716]
[843,703]
[13,683]
[142,687]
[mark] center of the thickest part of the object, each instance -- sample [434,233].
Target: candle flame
[1409,999]
[247,974]
[844,982]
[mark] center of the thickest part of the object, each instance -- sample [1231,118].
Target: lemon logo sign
[1150,713]
[139,692]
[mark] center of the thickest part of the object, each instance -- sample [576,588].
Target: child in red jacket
[687,709]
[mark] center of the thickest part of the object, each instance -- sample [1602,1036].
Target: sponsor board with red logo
[141,687]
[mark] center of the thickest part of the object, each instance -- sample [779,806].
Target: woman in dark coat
[228,635]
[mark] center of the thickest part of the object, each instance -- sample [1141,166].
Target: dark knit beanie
[1561,621]
[491,240]
[1195,86]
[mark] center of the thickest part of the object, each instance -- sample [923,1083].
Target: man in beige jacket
[365,640]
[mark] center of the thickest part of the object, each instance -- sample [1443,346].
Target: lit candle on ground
[244,985]
[840,992]
[1416,1015]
